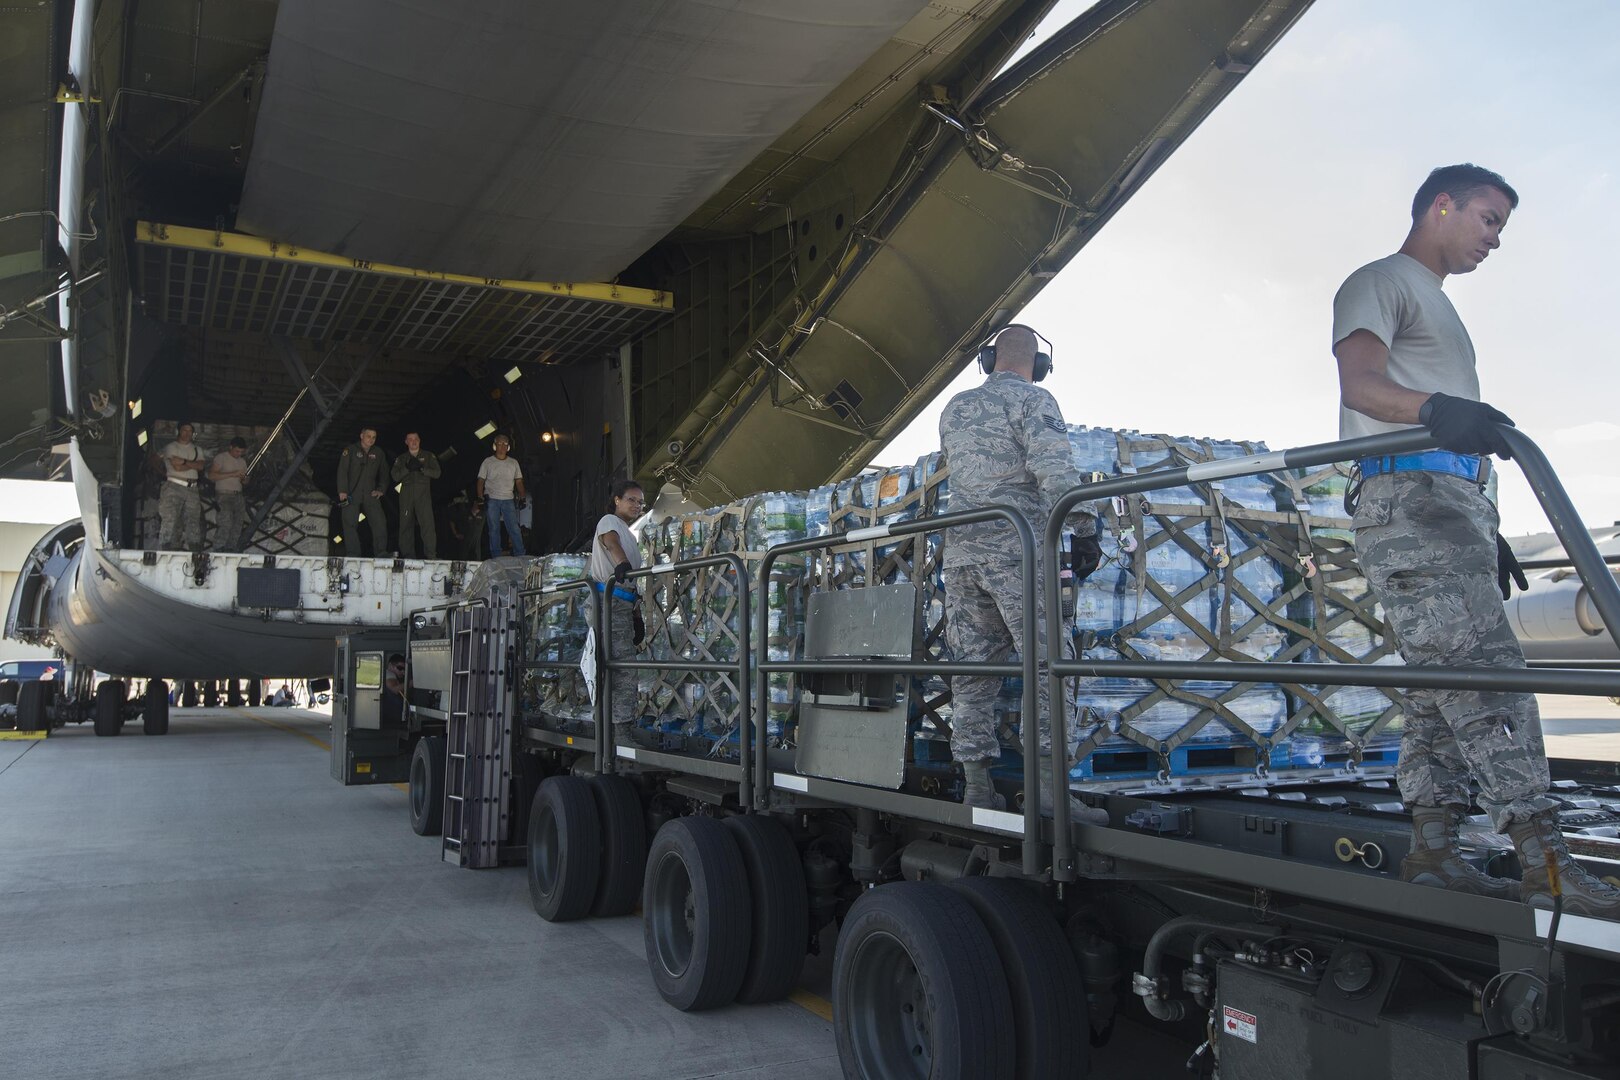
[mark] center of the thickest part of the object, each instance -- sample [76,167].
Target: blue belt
[618,593]
[1466,466]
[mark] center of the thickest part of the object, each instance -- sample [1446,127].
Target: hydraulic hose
[1146,983]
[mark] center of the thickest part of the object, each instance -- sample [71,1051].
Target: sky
[1204,308]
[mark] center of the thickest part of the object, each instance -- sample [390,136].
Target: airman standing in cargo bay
[414,471]
[1005,442]
[179,506]
[1426,536]
[361,468]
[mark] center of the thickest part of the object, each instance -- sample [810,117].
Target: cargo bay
[790,297]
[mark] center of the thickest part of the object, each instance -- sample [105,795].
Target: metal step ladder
[478,767]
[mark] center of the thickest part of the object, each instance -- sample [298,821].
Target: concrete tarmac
[212,904]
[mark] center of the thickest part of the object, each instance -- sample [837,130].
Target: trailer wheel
[918,990]
[109,714]
[781,907]
[624,845]
[155,711]
[1048,994]
[426,796]
[188,694]
[565,849]
[254,692]
[31,701]
[8,692]
[695,913]
[210,695]
[233,693]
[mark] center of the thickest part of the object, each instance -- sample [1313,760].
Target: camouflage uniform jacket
[361,471]
[1005,442]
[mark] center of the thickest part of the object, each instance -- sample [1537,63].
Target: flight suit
[360,472]
[415,475]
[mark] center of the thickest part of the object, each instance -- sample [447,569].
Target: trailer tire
[155,711]
[8,692]
[918,990]
[188,694]
[109,707]
[565,849]
[781,907]
[695,914]
[425,800]
[624,845]
[31,701]
[1048,995]
[255,691]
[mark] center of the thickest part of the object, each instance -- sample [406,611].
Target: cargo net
[1248,569]
[553,629]
[1252,568]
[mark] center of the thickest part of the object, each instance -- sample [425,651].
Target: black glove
[1508,569]
[640,626]
[1085,555]
[1465,427]
[621,571]
[414,464]
[521,502]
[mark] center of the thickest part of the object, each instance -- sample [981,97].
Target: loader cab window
[368,671]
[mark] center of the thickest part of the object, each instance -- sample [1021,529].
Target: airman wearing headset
[1005,442]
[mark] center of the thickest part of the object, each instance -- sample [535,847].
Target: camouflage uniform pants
[984,621]
[179,517]
[228,525]
[625,684]
[1427,543]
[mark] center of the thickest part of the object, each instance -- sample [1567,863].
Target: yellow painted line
[256,247]
[815,1003]
[306,736]
[21,736]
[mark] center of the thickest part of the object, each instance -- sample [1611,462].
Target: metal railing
[1026,666]
[1566,524]
[606,751]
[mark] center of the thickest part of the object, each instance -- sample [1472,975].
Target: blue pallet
[1216,757]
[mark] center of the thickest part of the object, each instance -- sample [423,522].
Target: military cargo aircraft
[720,247]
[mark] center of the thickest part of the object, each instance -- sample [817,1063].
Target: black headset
[1043,357]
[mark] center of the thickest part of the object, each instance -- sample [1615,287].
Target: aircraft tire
[624,845]
[188,694]
[233,693]
[918,990]
[109,707]
[1048,994]
[210,695]
[781,923]
[695,914]
[31,702]
[155,712]
[565,849]
[426,797]
[8,692]
[255,692]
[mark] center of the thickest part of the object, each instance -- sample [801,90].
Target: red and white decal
[1239,1024]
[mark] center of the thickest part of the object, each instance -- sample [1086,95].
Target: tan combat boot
[1437,858]
[1079,812]
[976,787]
[1548,864]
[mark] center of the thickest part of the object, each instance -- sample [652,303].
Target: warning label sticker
[1238,1023]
